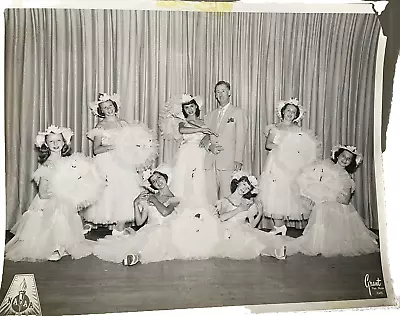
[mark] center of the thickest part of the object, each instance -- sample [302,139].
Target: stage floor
[90,285]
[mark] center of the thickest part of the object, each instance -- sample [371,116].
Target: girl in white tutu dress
[290,149]
[188,175]
[335,227]
[240,215]
[52,228]
[120,149]
[166,235]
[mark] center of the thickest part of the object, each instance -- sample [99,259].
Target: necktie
[220,115]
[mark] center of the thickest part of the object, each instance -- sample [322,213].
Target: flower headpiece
[252,179]
[171,115]
[52,129]
[103,97]
[292,101]
[352,149]
[186,98]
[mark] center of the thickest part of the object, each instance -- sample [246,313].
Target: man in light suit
[225,151]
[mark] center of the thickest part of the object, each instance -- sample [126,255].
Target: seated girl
[240,215]
[153,209]
[172,229]
[335,227]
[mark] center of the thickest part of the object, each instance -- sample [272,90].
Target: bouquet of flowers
[75,180]
[136,146]
[320,182]
[170,116]
[297,150]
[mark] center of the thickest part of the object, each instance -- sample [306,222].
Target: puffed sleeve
[347,183]
[95,132]
[42,172]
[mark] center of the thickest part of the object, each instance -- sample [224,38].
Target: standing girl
[290,149]
[188,176]
[51,228]
[115,144]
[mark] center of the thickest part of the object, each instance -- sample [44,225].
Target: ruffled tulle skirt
[45,229]
[192,234]
[335,229]
[188,179]
[116,202]
[153,242]
[197,234]
[280,200]
[243,242]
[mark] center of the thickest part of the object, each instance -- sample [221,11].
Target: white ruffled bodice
[225,205]
[192,138]
[280,134]
[108,136]
[154,216]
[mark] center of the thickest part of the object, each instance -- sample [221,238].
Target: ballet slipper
[279,230]
[87,228]
[55,256]
[131,260]
[281,254]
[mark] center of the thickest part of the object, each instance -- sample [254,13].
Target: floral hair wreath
[171,115]
[252,179]
[352,149]
[292,101]
[103,97]
[66,132]
[186,98]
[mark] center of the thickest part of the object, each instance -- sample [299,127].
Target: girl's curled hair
[235,183]
[44,151]
[193,101]
[352,167]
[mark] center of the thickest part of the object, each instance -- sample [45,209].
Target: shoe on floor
[131,260]
[281,253]
[87,228]
[55,256]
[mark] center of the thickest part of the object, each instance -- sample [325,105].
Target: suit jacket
[231,136]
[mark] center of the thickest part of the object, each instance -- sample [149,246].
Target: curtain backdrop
[56,61]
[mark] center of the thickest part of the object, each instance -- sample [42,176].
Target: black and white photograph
[182,155]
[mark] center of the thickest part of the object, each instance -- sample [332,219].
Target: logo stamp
[375,286]
[22,297]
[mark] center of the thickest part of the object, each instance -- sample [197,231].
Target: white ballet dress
[122,184]
[296,149]
[333,228]
[47,226]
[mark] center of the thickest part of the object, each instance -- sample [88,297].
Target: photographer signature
[376,285]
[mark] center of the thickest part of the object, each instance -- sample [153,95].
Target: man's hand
[205,141]
[216,148]
[237,166]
